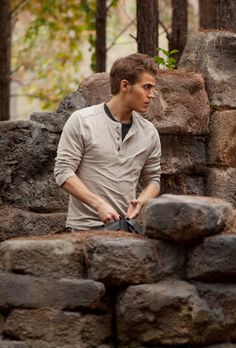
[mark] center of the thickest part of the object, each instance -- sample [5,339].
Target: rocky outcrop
[112,289]
[213,55]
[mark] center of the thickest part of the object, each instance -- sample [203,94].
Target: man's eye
[148,87]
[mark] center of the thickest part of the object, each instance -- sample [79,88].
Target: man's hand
[134,208]
[106,213]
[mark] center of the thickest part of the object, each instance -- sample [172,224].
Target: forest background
[47,47]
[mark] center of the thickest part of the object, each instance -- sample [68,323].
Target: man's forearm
[152,190]
[74,186]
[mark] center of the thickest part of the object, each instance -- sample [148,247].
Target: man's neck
[119,110]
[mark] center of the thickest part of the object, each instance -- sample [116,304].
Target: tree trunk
[208,14]
[101,14]
[147,26]
[217,14]
[179,27]
[5,59]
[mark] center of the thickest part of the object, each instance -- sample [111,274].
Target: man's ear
[125,86]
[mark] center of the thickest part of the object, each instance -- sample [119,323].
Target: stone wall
[196,126]
[173,286]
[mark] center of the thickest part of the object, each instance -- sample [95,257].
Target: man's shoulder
[88,112]
[143,122]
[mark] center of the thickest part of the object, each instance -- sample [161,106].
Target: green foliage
[168,61]
[49,50]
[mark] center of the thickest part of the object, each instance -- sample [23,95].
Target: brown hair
[130,68]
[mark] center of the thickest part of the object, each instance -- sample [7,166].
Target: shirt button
[118,139]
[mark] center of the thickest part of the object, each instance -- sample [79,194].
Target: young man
[105,150]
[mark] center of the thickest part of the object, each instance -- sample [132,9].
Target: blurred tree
[217,14]
[147,26]
[208,14]
[5,59]
[101,16]
[179,27]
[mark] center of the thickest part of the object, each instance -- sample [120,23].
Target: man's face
[141,93]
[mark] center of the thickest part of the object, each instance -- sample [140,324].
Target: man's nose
[151,93]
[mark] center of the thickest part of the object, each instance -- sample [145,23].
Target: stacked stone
[30,201]
[172,286]
[195,307]
[213,55]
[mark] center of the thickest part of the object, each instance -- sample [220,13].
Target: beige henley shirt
[91,147]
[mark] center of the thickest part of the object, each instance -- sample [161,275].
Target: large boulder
[17,222]
[119,262]
[213,260]
[212,53]
[221,183]
[27,154]
[168,313]
[59,327]
[185,219]
[33,292]
[180,105]
[222,139]
[182,154]
[52,257]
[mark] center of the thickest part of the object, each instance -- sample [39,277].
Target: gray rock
[52,121]
[95,89]
[1,325]
[221,298]
[182,154]
[221,183]
[185,218]
[180,105]
[54,258]
[72,102]
[62,327]
[21,223]
[27,153]
[214,259]
[31,292]
[222,142]
[213,55]
[42,344]
[119,262]
[169,313]
[182,184]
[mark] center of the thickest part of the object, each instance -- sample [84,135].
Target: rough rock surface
[182,154]
[27,153]
[62,327]
[119,262]
[21,223]
[180,105]
[221,183]
[222,143]
[222,299]
[212,53]
[214,259]
[31,292]
[42,344]
[169,313]
[182,184]
[185,218]
[54,258]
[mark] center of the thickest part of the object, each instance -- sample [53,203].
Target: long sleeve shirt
[91,147]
